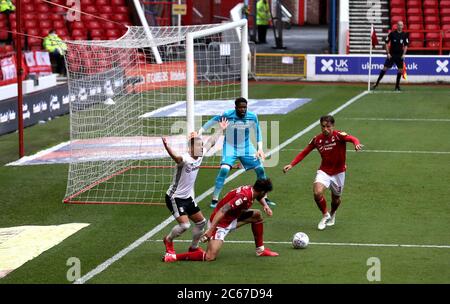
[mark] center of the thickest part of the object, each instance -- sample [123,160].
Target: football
[300,240]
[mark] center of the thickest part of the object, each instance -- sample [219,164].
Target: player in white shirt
[180,195]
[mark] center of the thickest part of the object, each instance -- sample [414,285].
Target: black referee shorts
[394,59]
[181,206]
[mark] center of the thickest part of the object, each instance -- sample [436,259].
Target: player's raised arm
[223,123]
[177,158]
[300,156]
[209,124]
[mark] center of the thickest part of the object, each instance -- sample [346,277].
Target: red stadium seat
[43,8]
[445,4]
[45,31]
[430,12]
[76,25]
[120,18]
[87,18]
[432,27]
[102,3]
[91,10]
[430,4]
[431,20]
[104,16]
[415,19]
[59,24]
[85,3]
[445,12]
[55,17]
[108,25]
[118,2]
[36,48]
[433,39]
[28,16]
[4,35]
[398,11]
[413,36]
[41,16]
[33,40]
[445,20]
[30,24]
[121,10]
[45,24]
[3,17]
[79,32]
[414,3]
[96,33]
[446,27]
[93,25]
[114,34]
[106,10]
[59,9]
[9,48]
[414,11]
[397,3]
[415,26]
[62,32]
[28,8]
[415,43]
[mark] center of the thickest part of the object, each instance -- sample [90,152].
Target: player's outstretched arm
[223,123]
[178,159]
[299,157]
[355,141]
[209,124]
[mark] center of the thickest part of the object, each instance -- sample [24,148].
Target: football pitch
[395,207]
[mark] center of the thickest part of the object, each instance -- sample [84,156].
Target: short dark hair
[263,185]
[327,118]
[239,100]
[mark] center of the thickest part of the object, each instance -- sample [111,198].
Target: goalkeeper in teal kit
[237,145]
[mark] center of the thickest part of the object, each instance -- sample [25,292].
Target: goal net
[128,93]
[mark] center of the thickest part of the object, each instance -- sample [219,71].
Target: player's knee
[257,216]
[209,257]
[185,226]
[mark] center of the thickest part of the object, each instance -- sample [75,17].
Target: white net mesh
[125,102]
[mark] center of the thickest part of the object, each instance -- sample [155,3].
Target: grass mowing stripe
[100,268]
[328,244]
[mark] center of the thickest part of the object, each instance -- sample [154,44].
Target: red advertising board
[155,76]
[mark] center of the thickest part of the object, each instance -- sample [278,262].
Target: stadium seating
[427,21]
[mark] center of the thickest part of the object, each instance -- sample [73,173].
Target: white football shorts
[334,182]
[220,233]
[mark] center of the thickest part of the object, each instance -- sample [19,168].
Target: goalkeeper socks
[380,76]
[191,256]
[260,173]
[197,232]
[257,229]
[322,204]
[220,180]
[397,83]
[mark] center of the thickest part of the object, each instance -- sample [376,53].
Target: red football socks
[257,229]
[322,204]
[191,256]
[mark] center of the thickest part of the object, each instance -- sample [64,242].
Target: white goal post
[125,97]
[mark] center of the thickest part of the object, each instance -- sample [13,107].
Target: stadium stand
[427,21]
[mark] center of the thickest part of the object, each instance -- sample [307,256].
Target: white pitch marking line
[398,119]
[329,244]
[100,268]
[388,151]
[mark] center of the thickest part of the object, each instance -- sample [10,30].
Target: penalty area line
[328,244]
[103,266]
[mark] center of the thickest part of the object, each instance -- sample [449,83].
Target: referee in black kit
[395,53]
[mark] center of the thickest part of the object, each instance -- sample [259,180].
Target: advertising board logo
[327,65]
[442,66]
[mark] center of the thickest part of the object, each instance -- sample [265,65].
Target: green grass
[389,198]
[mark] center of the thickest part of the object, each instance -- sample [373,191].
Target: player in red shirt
[331,145]
[232,212]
